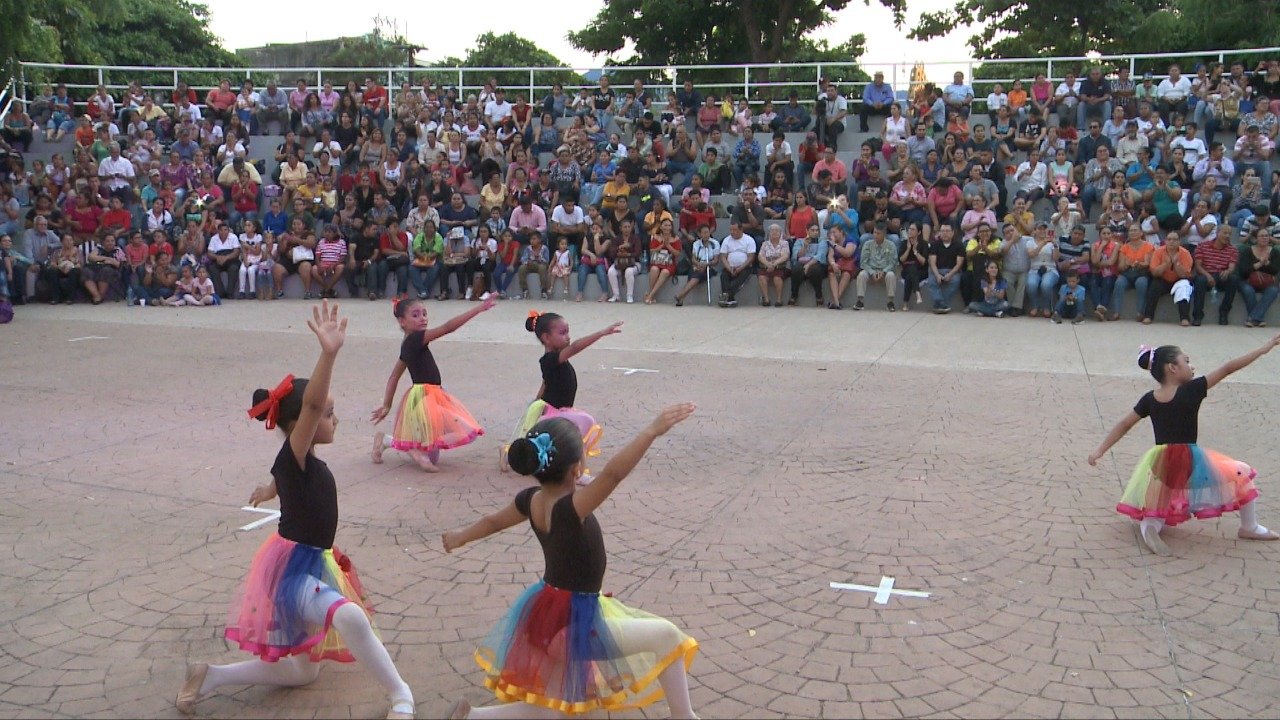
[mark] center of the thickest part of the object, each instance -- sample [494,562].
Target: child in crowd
[1177,479]
[192,288]
[565,647]
[266,268]
[561,267]
[331,259]
[429,419]
[301,601]
[559,380]
[1070,300]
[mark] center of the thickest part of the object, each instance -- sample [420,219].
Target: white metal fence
[758,83]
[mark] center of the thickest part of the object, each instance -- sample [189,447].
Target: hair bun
[259,396]
[529,323]
[522,456]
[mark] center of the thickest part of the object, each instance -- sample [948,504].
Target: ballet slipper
[1151,538]
[1255,535]
[459,710]
[189,695]
[379,444]
[394,714]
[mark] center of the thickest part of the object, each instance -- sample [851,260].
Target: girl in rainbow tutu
[1177,479]
[565,647]
[430,419]
[301,601]
[559,380]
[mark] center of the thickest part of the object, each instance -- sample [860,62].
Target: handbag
[1259,280]
[661,257]
[301,253]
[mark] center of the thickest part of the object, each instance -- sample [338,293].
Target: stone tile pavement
[945,452]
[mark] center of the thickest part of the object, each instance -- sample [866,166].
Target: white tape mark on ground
[88,337]
[271,516]
[883,591]
[633,371]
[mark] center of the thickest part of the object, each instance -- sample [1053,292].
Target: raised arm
[331,331]
[1123,427]
[587,499]
[457,321]
[482,528]
[1241,362]
[581,344]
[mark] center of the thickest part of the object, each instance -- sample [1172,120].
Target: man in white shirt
[429,151]
[1193,148]
[498,110]
[958,96]
[1031,177]
[1173,92]
[326,142]
[568,221]
[1067,96]
[834,109]
[738,256]
[117,174]
[1127,147]
[777,155]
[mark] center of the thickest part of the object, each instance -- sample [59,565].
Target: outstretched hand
[613,329]
[262,493]
[379,414]
[670,417]
[1273,342]
[330,330]
[489,303]
[1094,458]
[452,541]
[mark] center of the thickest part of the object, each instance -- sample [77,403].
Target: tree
[511,50]
[1192,25]
[678,32]
[1035,28]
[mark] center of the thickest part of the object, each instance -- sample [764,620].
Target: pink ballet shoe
[1255,535]
[459,710]
[189,695]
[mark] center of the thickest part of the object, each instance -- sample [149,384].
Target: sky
[250,23]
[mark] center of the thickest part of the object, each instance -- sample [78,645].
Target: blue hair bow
[546,450]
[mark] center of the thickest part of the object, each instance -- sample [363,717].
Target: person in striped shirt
[331,257]
[1213,269]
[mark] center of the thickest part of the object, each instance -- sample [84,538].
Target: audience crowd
[1042,200]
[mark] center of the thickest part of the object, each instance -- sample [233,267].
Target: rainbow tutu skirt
[1178,482]
[561,650]
[267,617]
[587,425]
[430,419]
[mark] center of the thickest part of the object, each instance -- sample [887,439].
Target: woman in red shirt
[800,217]
[84,218]
[508,260]
[664,250]
[244,201]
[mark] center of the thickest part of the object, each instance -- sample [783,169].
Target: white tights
[641,635]
[353,625]
[249,278]
[1248,520]
[628,278]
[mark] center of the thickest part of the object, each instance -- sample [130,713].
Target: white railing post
[319,79]
[100,76]
[818,80]
[461,91]
[1049,71]
[894,86]
[746,83]
[530,86]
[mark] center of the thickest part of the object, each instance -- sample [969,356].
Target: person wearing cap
[1146,91]
[876,99]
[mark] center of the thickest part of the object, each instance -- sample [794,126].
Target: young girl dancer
[559,380]
[564,648]
[301,601]
[1177,479]
[429,420]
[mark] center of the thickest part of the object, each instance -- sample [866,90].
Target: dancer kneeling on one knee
[1177,479]
[565,648]
[430,419]
[301,601]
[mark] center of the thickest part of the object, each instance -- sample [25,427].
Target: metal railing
[759,81]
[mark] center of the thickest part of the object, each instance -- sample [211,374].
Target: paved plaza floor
[946,453]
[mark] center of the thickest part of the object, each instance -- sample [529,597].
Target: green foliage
[110,32]
[1190,25]
[678,32]
[509,50]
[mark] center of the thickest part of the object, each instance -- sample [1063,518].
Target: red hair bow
[534,315]
[271,406]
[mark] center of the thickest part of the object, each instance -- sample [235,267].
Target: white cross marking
[271,516]
[882,591]
[633,371]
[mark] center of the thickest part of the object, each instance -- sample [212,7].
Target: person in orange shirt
[1170,265]
[1017,99]
[220,103]
[1134,265]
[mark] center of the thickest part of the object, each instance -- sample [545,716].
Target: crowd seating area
[1067,200]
